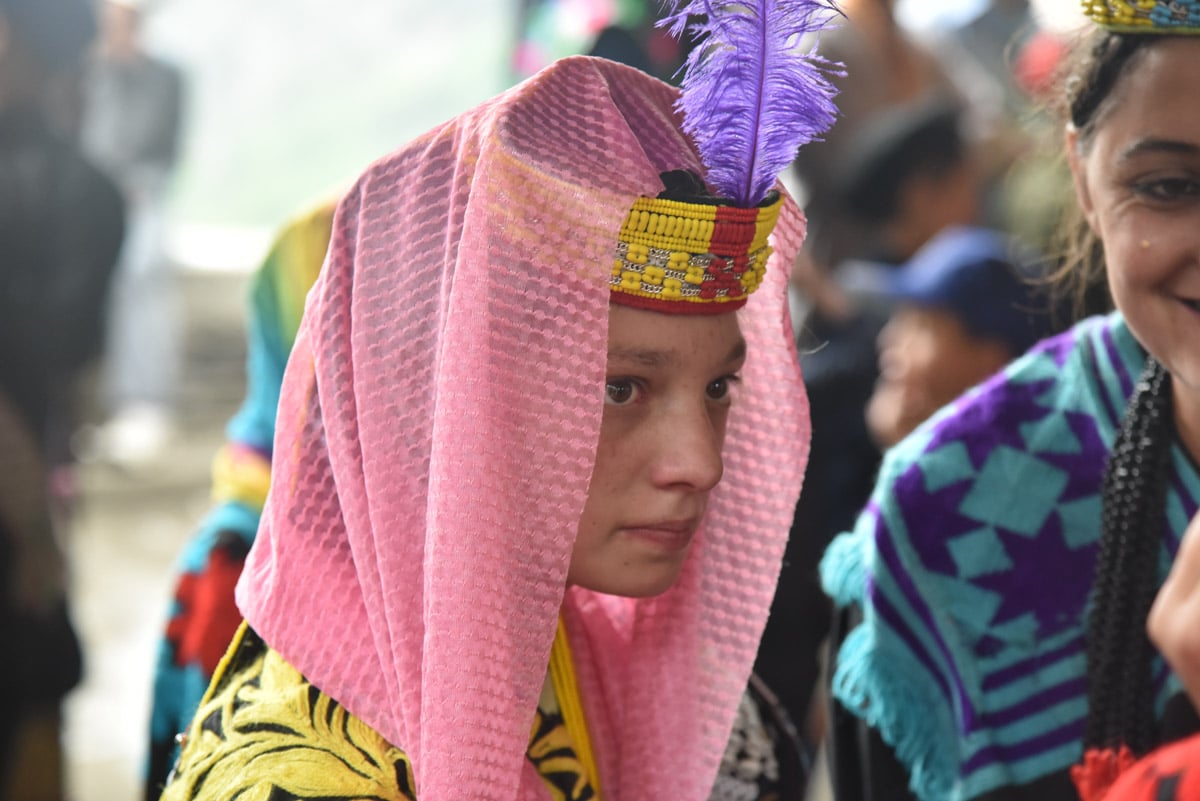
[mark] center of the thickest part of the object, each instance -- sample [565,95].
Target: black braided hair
[1120,686]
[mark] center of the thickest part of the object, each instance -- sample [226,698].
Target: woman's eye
[722,388]
[619,392]
[1169,189]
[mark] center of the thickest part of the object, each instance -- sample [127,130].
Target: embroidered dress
[262,708]
[972,566]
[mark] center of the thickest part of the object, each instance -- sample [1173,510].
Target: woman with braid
[1005,566]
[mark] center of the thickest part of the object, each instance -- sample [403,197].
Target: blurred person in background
[885,68]
[618,30]
[969,302]
[965,305]
[979,56]
[907,175]
[61,224]
[991,40]
[203,616]
[132,128]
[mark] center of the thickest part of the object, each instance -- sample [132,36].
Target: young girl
[538,448]
[1003,572]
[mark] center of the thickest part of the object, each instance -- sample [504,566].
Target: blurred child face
[1138,180]
[669,386]
[926,360]
[120,28]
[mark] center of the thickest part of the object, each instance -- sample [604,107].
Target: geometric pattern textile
[973,564]
[436,435]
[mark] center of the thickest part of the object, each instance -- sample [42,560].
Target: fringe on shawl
[865,672]
[843,569]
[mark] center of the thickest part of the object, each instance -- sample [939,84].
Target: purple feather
[751,95]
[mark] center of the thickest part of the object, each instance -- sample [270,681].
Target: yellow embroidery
[668,250]
[551,752]
[566,691]
[268,733]
[263,731]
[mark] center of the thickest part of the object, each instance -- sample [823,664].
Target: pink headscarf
[437,432]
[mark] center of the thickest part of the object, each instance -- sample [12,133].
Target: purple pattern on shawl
[993,417]
[1114,356]
[1038,702]
[891,558]
[984,421]
[998,753]
[1085,469]
[1048,579]
[1018,671]
[1060,347]
[941,509]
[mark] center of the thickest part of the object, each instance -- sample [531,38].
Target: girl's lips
[669,536]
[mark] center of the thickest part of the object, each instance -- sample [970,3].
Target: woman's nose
[688,449]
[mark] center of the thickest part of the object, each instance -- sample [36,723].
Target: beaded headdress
[1146,16]
[750,98]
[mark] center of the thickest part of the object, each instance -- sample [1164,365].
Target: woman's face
[1138,180]
[670,382]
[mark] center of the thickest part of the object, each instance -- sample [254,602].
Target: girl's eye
[721,390]
[1167,190]
[620,391]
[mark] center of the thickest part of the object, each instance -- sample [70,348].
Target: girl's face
[670,382]
[1138,180]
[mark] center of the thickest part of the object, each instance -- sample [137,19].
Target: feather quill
[751,95]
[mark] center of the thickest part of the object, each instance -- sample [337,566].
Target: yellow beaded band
[1146,16]
[691,258]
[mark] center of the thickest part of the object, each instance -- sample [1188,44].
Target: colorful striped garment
[972,566]
[203,617]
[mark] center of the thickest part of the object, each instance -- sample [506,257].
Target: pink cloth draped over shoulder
[437,431]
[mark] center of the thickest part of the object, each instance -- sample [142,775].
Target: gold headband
[691,258]
[1146,16]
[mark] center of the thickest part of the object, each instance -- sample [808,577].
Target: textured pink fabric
[436,436]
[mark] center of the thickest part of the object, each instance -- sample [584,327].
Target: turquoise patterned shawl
[972,565]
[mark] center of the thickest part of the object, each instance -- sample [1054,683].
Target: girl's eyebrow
[1152,144]
[654,357]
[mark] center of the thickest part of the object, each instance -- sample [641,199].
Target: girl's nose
[688,449]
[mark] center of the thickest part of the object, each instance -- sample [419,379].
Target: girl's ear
[1078,165]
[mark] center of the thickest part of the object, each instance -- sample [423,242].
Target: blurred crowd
[934,209]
